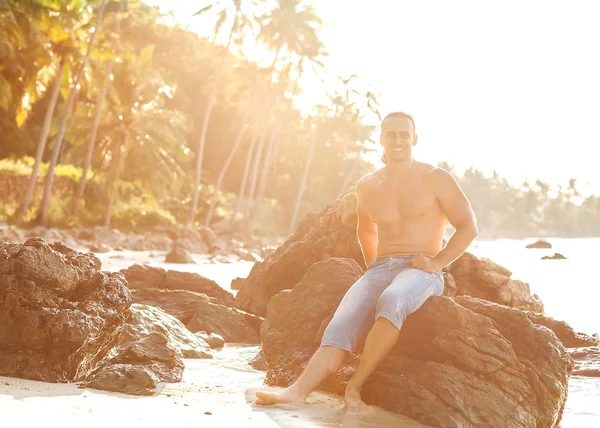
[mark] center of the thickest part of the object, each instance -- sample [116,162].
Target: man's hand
[425,263]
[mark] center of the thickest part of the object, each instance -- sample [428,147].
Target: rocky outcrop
[459,361]
[59,313]
[179,255]
[320,236]
[149,351]
[539,244]
[143,276]
[484,279]
[202,313]
[555,256]
[587,361]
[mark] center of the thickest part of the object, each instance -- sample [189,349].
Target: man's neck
[399,169]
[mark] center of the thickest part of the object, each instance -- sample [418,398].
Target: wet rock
[149,351]
[555,256]
[179,255]
[484,279]
[201,313]
[144,276]
[319,236]
[458,362]
[540,244]
[59,313]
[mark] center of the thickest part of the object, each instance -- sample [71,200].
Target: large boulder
[144,276]
[459,362]
[484,279]
[202,313]
[59,313]
[320,236]
[149,351]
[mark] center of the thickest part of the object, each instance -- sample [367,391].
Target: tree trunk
[350,174]
[45,205]
[303,181]
[232,153]
[97,115]
[117,165]
[203,132]
[268,161]
[28,196]
[240,199]
[257,161]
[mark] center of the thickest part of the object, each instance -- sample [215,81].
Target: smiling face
[398,138]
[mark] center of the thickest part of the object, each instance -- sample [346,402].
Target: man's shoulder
[368,180]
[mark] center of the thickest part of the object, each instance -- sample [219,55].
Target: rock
[179,255]
[556,256]
[149,351]
[201,313]
[100,248]
[458,361]
[320,236]
[484,279]
[587,361]
[236,283]
[59,313]
[540,244]
[144,276]
[569,337]
[214,340]
[210,238]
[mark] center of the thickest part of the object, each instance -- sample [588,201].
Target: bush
[137,215]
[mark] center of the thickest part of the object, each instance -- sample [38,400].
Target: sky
[507,86]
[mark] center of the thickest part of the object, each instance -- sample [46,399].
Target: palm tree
[143,133]
[45,205]
[311,153]
[98,114]
[237,9]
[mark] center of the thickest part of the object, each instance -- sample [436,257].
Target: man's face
[397,138]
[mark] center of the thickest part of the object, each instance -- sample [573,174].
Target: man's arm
[458,210]
[366,229]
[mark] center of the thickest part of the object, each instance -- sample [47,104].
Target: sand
[213,393]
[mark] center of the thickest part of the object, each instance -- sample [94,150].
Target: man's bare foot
[288,395]
[353,401]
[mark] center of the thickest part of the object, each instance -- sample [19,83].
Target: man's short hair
[397,114]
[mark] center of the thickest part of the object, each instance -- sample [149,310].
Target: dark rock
[540,244]
[458,361]
[144,276]
[179,255]
[484,279]
[556,256]
[259,363]
[320,236]
[149,351]
[59,313]
[201,313]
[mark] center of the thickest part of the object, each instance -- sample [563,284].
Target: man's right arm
[366,229]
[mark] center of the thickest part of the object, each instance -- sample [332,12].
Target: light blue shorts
[390,288]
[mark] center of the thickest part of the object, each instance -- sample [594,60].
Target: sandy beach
[213,393]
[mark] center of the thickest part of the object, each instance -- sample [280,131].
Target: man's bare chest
[389,203]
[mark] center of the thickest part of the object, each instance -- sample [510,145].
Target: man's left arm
[457,209]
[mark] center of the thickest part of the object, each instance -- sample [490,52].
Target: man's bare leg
[325,361]
[380,341]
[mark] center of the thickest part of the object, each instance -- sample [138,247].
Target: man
[403,211]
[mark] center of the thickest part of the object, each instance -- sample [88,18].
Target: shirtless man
[403,211]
